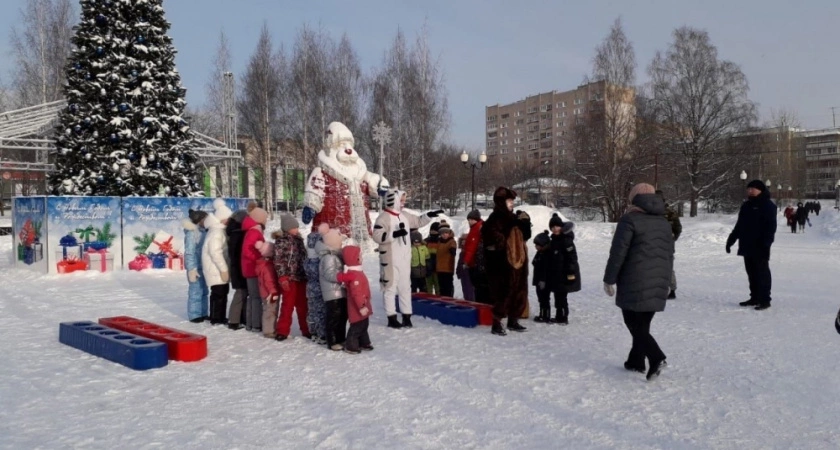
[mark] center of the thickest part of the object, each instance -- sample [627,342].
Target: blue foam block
[457,315]
[132,351]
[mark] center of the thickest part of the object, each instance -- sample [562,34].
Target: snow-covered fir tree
[122,132]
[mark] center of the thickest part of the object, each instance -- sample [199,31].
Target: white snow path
[737,378]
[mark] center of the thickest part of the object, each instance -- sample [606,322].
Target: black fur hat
[197,216]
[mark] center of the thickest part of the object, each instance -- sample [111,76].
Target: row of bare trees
[286,98]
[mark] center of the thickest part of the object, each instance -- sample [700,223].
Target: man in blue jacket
[755,231]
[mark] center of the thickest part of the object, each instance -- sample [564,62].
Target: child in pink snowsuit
[269,286]
[359,308]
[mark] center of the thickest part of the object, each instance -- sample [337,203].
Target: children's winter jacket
[446,250]
[470,247]
[419,260]
[214,252]
[563,262]
[289,256]
[358,288]
[331,265]
[250,254]
[542,269]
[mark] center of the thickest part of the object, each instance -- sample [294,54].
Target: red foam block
[485,311]
[182,345]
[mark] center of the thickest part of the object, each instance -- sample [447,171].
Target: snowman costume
[338,191]
[390,231]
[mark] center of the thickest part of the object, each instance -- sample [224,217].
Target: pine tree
[122,132]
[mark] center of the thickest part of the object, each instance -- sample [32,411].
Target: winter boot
[514,325]
[235,326]
[199,319]
[406,323]
[393,322]
[497,328]
[562,316]
[749,302]
[543,316]
[762,306]
[672,295]
[634,368]
[656,369]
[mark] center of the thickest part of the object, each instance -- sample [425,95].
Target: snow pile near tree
[737,378]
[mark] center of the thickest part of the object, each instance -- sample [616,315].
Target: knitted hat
[641,188]
[416,237]
[434,228]
[221,210]
[542,239]
[333,239]
[445,229]
[239,215]
[758,184]
[259,215]
[288,222]
[474,215]
[555,221]
[197,216]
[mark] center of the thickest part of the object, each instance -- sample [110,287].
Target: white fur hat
[220,210]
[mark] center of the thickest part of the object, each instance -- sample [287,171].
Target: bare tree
[215,92]
[702,101]
[610,154]
[40,45]
[258,107]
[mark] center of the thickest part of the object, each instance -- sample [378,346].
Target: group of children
[321,280]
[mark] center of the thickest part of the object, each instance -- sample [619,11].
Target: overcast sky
[501,51]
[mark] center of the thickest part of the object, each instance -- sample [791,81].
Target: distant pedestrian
[673,219]
[755,232]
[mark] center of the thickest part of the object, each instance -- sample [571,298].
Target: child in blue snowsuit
[316,315]
[197,301]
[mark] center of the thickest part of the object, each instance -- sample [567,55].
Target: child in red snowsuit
[359,308]
[269,287]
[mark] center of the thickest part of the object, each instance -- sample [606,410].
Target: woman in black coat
[639,272]
[235,236]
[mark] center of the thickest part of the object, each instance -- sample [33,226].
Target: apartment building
[822,159]
[537,132]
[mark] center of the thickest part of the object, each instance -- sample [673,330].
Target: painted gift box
[33,253]
[158,260]
[175,262]
[99,260]
[140,262]
[71,264]
[70,248]
[165,243]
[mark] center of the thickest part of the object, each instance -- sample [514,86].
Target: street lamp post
[382,136]
[465,158]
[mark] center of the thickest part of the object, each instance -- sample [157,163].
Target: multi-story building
[537,133]
[822,160]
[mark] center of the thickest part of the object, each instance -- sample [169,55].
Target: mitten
[308,214]
[522,215]
[433,214]
[225,277]
[192,275]
[609,289]
[364,311]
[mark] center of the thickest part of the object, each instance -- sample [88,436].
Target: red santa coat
[337,208]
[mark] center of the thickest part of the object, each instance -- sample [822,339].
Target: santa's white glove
[192,275]
[609,289]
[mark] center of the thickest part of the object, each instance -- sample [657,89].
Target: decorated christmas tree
[122,132]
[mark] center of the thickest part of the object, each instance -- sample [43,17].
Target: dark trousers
[418,284]
[479,280]
[561,300]
[357,336]
[336,319]
[218,302]
[758,272]
[447,285]
[644,345]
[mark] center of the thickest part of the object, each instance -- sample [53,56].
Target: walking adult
[638,273]
[755,231]
[801,216]
[506,259]
[673,219]
[790,216]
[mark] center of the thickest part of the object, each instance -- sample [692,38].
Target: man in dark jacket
[235,236]
[638,273]
[755,231]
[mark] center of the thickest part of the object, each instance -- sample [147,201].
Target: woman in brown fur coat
[504,235]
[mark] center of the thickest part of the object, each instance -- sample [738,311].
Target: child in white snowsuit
[390,231]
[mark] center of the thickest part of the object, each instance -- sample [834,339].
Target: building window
[517,141]
[561,105]
[505,116]
[517,131]
[561,123]
[491,118]
[545,116]
[492,135]
[546,126]
[533,127]
[503,134]
[533,146]
[491,127]
[520,121]
[532,110]
[545,135]
[545,108]
[578,101]
[578,111]
[517,114]
[503,125]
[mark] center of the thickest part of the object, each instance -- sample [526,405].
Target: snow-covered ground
[737,378]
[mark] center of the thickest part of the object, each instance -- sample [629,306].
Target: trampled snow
[737,378]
